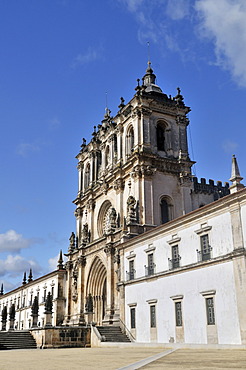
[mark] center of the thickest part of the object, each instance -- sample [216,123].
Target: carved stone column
[81,289]
[68,266]
[110,306]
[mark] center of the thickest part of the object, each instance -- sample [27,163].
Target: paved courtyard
[123,358]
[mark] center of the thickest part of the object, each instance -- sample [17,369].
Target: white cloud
[16,265]
[90,55]
[54,261]
[7,286]
[54,123]
[229,146]
[11,241]
[177,9]
[24,149]
[224,22]
[132,5]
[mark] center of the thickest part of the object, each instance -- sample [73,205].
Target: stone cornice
[215,207]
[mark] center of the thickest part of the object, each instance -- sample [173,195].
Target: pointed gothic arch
[96,286]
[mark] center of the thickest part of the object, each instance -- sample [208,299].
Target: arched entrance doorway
[96,285]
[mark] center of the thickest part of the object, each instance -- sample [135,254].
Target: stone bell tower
[134,174]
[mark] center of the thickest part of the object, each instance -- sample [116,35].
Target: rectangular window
[133,317]
[150,264]
[131,270]
[152,317]
[178,313]
[210,311]
[175,256]
[52,292]
[44,295]
[205,247]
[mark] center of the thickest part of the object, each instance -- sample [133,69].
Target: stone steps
[16,340]
[112,334]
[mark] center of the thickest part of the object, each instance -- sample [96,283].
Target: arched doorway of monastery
[96,285]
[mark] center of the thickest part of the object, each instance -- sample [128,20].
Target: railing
[150,270]
[126,330]
[204,255]
[130,275]
[174,263]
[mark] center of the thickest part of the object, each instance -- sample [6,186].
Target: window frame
[178,314]
[152,315]
[133,317]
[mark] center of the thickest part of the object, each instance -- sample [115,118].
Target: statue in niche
[85,234]
[131,210]
[110,221]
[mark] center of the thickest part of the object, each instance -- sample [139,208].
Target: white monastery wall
[189,285]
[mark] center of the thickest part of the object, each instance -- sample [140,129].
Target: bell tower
[134,174]
[136,169]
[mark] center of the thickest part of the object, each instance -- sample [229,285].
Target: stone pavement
[123,358]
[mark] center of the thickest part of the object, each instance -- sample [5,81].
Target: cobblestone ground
[116,358]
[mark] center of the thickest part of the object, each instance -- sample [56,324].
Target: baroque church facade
[154,250]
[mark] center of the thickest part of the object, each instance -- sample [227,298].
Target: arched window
[130,141]
[160,137]
[115,144]
[87,175]
[165,210]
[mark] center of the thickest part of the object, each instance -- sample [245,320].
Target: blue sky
[58,60]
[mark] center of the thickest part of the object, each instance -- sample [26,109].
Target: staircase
[112,334]
[16,340]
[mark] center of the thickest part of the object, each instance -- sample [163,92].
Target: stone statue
[4,314]
[35,306]
[4,317]
[131,210]
[75,282]
[85,234]
[110,221]
[72,242]
[89,303]
[12,312]
[48,303]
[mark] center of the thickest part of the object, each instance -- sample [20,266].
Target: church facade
[154,249]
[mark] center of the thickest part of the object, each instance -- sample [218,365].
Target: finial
[24,279]
[30,276]
[60,262]
[235,176]
[1,291]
